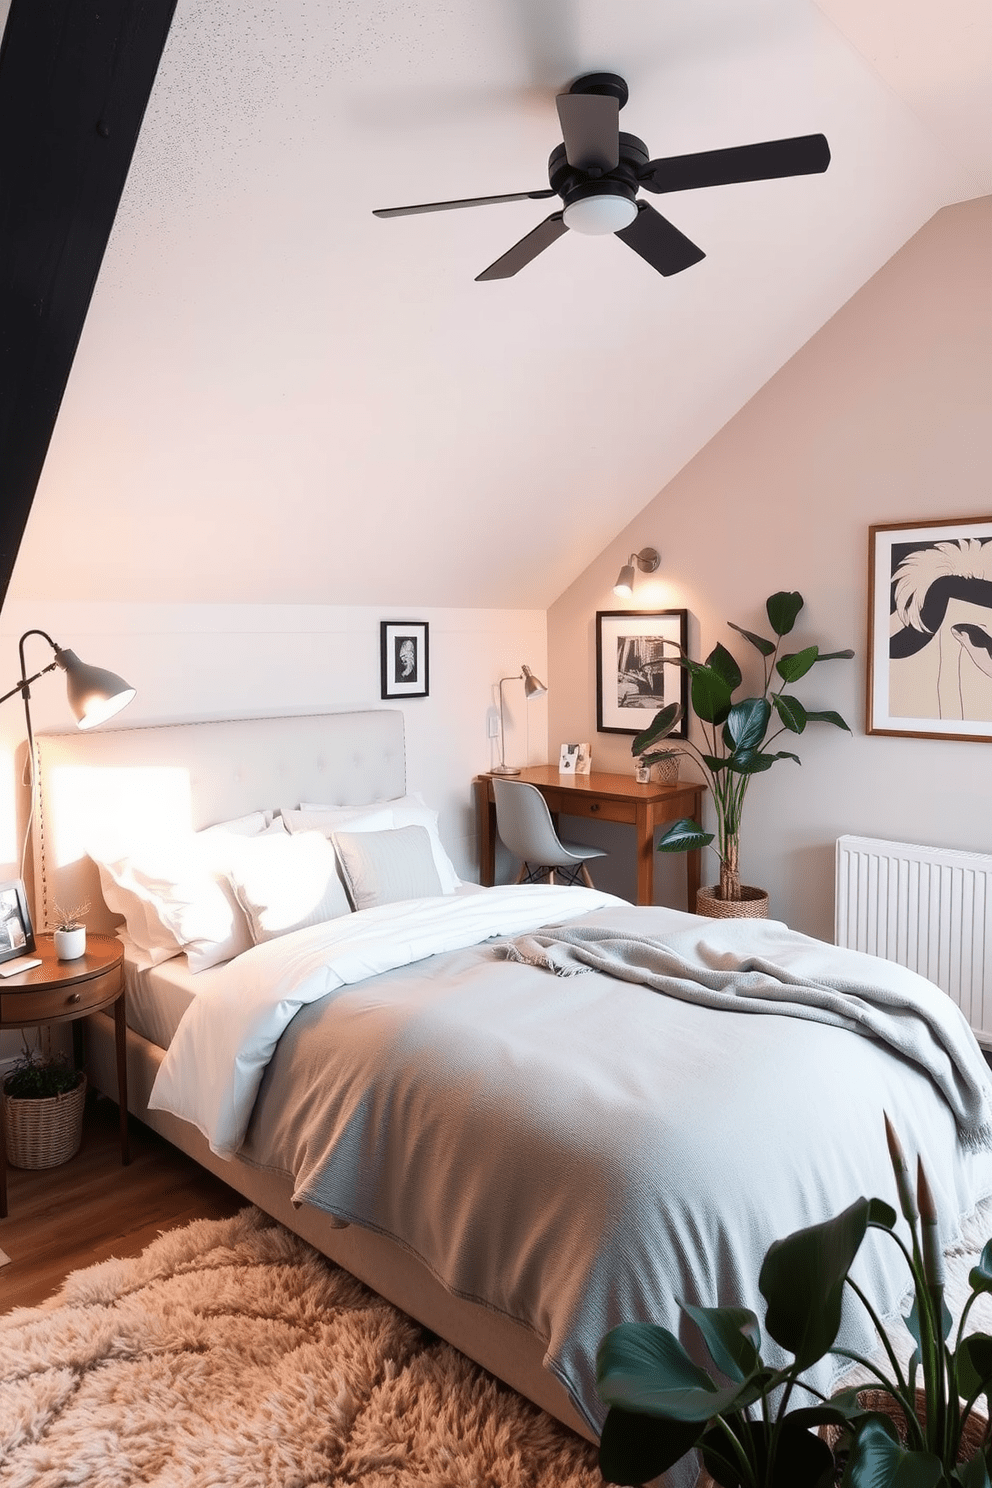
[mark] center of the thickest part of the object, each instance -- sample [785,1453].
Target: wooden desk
[601,797]
[63,992]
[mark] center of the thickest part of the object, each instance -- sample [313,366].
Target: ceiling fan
[597,171]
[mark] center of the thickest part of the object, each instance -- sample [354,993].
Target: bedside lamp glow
[532,688]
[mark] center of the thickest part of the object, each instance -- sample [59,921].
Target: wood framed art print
[635,670]
[930,629]
[403,658]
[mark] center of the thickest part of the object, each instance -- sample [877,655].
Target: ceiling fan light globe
[596,215]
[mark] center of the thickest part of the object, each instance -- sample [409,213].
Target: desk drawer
[595,808]
[68,1000]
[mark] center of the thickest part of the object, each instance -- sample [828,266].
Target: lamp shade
[533,687]
[94,694]
[624,586]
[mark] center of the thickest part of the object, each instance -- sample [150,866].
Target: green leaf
[800,1458]
[790,668]
[747,723]
[658,755]
[783,609]
[767,648]
[879,1460]
[662,724]
[980,1276]
[715,762]
[752,762]
[974,1365]
[973,1474]
[829,716]
[732,1336]
[791,712]
[721,662]
[684,835]
[634,1448]
[835,656]
[644,1369]
[710,695]
[802,1280]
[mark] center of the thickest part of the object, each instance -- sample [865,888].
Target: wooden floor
[90,1208]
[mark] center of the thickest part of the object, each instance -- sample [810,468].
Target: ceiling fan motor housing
[574,185]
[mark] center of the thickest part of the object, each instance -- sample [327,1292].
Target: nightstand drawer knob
[75,997]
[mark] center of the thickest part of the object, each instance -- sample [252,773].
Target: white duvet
[211,1073]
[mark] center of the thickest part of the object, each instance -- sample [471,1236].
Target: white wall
[217,661]
[883,416]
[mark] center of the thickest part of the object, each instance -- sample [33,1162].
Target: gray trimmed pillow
[385,867]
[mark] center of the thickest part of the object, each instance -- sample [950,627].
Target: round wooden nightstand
[63,992]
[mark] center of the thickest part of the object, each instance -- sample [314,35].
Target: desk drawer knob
[593,805]
[73,997]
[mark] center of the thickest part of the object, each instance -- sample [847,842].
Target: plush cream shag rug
[231,1355]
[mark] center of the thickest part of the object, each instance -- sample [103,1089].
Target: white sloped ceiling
[278,397]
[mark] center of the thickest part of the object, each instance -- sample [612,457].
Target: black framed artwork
[404,658]
[16,934]
[636,670]
[930,629]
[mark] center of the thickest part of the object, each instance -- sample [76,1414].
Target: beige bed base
[214,771]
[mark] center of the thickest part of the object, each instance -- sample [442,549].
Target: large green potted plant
[662,1404]
[736,735]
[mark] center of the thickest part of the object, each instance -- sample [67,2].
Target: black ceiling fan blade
[658,242]
[470,201]
[590,128]
[806,155]
[520,255]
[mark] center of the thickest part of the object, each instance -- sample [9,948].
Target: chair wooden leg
[551,875]
[522,873]
[587,878]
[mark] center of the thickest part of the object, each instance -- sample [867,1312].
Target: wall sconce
[532,688]
[647,561]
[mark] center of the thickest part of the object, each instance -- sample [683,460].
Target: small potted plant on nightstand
[43,1099]
[69,931]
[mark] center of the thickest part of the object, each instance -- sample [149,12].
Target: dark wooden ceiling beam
[75,79]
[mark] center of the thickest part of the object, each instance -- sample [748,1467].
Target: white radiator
[929,908]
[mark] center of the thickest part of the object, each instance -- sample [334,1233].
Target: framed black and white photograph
[16,935]
[403,658]
[636,671]
[930,629]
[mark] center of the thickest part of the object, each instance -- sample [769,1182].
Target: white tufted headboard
[121,783]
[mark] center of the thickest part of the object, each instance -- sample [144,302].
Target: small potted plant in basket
[43,1099]
[69,931]
[735,743]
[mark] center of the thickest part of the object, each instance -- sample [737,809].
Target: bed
[516,1158]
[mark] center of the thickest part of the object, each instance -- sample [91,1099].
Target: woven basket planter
[43,1133]
[752,905]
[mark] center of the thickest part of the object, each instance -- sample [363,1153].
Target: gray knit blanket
[761,966]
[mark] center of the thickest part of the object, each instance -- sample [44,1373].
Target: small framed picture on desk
[16,935]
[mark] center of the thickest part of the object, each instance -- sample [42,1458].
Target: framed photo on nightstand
[16,934]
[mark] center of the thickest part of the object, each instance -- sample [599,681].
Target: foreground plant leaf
[802,1460]
[683,836]
[643,1368]
[879,1460]
[634,1448]
[802,1279]
[732,1336]
[783,610]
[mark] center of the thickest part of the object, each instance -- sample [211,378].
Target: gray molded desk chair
[524,823]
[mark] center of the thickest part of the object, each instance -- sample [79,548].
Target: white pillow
[174,897]
[385,867]
[287,882]
[243,826]
[407,811]
[329,819]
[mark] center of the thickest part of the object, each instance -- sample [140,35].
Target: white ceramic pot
[70,944]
